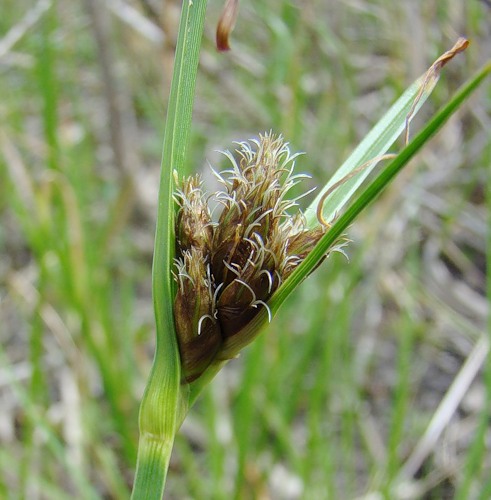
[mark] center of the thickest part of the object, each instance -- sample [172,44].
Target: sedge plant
[217,283]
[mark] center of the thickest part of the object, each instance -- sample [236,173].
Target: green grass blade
[162,401]
[376,187]
[376,143]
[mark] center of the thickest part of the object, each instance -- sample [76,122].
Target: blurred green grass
[331,401]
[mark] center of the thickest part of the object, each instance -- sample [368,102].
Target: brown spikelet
[193,221]
[198,330]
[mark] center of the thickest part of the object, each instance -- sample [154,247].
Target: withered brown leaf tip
[228,269]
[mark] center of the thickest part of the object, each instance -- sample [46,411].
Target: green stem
[165,402]
[153,461]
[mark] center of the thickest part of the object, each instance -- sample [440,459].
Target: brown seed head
[227,271]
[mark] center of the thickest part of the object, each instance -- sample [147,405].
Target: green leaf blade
[375,144]
[165,402]
[376,187]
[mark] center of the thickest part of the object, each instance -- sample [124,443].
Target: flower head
[227,271]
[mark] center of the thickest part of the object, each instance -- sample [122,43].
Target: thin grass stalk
[164,402]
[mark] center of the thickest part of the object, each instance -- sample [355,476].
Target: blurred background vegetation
[372,382]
